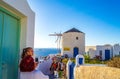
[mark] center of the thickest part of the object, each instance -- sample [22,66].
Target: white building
[73,42]
[91,53]
[116,49]
[105,51]
[16,32]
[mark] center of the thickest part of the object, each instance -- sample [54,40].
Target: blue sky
[98,19]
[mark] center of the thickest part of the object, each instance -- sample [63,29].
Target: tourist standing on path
[62,69]
[54,68]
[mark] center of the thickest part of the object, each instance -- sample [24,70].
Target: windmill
[58,40]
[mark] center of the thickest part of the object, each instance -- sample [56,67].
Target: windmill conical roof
[73,30]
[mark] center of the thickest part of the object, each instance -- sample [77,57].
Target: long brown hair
[25,50]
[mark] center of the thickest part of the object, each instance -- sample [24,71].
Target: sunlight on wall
[97,72]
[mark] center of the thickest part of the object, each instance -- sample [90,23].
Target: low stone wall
[96,72]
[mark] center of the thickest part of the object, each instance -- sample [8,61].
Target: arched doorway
[107,54]
[75,51]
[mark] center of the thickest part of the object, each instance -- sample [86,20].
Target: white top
[36,74]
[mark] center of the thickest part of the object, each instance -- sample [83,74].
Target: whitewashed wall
[103,48]
[69,41]
[116,49]
[27,20]
[92,53]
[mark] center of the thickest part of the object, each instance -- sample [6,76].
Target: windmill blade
[59,44]
[57,39]
[59,34]
[55,34]
[60,39]
[52,35]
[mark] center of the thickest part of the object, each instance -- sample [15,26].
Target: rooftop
[73,30]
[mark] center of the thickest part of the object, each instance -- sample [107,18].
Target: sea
[45,51]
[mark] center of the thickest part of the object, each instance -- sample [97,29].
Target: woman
[27,63]
[28,66]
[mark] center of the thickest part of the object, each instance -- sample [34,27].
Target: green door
[1,22]
[9,49]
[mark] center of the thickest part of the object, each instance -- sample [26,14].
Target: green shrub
[65,60]
[87,58]
[73,60]
[93,61]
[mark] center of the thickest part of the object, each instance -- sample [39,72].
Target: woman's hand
[36,64]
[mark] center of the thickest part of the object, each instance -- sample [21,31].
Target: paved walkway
[51,76]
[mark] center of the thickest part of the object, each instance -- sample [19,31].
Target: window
[100,52]
[76,38]
[88,53]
